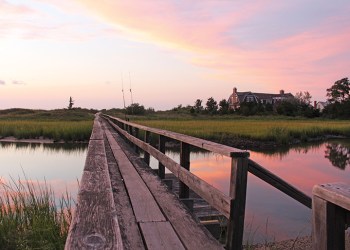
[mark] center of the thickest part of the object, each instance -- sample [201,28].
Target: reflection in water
[58,165]
[338,155]
[68,148]
[270,214]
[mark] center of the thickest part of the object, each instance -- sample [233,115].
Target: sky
[169,52]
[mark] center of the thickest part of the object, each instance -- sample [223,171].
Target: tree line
[338,105]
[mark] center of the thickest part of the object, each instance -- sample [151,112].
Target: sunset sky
[175,51]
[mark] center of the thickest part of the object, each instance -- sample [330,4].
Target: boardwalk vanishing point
[123,204]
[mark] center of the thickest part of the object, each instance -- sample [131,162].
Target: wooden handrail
[253,167]
[200,143]
[232,206]
[213,196]
[278,183]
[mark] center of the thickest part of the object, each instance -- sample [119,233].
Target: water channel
[270,215]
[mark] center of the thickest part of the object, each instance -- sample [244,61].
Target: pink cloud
[7,8]
[208,35]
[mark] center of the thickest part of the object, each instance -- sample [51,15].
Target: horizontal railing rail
[232,206]
[200,143]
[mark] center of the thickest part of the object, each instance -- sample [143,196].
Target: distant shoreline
[39,140]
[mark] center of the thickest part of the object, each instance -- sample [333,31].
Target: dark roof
[242,95]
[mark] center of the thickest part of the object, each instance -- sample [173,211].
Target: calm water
[61,165]
[270,215]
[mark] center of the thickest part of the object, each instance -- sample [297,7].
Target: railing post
[136,134]
[238,190]
[330,205]
[161,148]
[146,157]
[184,191]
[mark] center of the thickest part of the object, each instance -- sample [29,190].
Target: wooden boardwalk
[123,204]
[130,208]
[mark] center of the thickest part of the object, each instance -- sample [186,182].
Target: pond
[270,214]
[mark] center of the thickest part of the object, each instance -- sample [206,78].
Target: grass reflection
[68,148]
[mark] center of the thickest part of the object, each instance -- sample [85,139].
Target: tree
[223,106]
[198,106]
[135,109]
[71,103]
[303,98]
[212,106]
[287,108]
[339,92]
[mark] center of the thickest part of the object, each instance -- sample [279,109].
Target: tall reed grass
[31,218]
[264,130]
[57,130]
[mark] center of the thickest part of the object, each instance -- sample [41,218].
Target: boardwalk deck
[123,204]
[130,207]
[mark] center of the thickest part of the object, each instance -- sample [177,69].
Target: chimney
[315,104]
[234,90]
[281,92]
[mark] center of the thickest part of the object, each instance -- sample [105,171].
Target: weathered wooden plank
[97,133]
[212,195]
[144,205]
[278,183]
[129,229]
[95,225]
[238,190]
[94,181]
[336,193]
[160,235]
[192,234]
[95,157]
[200,143]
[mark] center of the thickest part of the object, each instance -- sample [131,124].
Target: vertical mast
[132,101]
[123,94]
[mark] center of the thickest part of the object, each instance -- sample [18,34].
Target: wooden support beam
[161,148]
[238,190]
[185,151]
[147,139]
[136,134]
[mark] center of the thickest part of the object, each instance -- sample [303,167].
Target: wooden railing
[331,206]
[232,206]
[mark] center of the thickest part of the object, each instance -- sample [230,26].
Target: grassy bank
[30,218]
[57,130]
[278,130]
[67,125]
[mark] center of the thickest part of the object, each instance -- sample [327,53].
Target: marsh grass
[56,130]
[31,217]
[278,130]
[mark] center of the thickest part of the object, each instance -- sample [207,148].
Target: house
[320,105]
[236,98]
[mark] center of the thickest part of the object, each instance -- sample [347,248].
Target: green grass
[57,130]
[62,124]
[30,218]
[278,130]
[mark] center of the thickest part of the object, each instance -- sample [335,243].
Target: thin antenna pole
[132,101]
[123,94]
